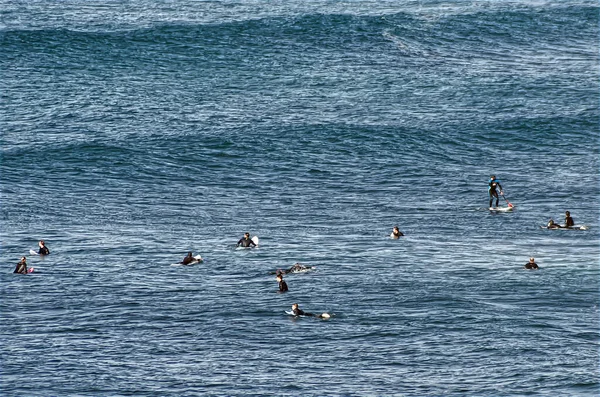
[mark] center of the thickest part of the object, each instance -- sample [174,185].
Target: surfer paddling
[296,311]
[190,259]
[246,241]
[296,268]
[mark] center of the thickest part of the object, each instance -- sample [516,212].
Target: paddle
[507,202]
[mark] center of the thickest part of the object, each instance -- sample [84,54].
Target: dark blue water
[134,132]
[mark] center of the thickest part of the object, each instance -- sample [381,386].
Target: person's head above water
[246,234]
[532,259]
[551,222]
[567,213]
[294,306]
[492,177]
[42,243]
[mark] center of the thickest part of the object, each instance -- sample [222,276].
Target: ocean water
[135,131]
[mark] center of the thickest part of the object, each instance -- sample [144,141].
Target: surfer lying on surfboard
[190,259]
[296,268]
[296,311]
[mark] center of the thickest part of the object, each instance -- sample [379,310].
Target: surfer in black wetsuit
[188,259]
[552,225]
[282,284]
[296,268]
[396,232]
[531,264]
[246,241]
[21,266]
[493,187]
[296,311]
[569,222]
[43,249]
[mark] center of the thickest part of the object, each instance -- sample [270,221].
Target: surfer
[493,187]
[246,241]
[188,259]
[43,249]
[296,311]
[531,264]
[396,233]
[21,267]
[569,222]
[282,284]
[552,225]
[296,268]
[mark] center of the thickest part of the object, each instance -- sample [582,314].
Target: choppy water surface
[133,132]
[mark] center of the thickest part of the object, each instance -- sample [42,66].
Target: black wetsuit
[188,259]
[21,268]
[300,312]
[494,183]
[245,242]
[44,251]
[283,286]
[531,265]
[569,222]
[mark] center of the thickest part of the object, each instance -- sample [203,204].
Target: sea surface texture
[135,131]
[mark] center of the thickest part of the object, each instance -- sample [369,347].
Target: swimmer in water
[282,284]
[21,267]
[296,268]
[493,187]
[246,241]
[396,233]
[296,311]
[43,249]
[569,222]
[531,264]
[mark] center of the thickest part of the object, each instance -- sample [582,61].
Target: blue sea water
[135,131]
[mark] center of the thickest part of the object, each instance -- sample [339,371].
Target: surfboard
[255,240]
[32,252]
[291,313]
[575,227]
[30,270]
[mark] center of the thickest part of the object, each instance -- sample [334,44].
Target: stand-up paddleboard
[501,209]
[574,227]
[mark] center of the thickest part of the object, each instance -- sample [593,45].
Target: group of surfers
[21,267]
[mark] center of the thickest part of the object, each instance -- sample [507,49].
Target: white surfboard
[501,209]
[255,240]
[32,252]
[575,227]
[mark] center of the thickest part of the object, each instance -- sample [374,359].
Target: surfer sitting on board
[21,266]
[43,249]
[531,264]
[282,284]
[396,232]
[296,311]
[246,241]
[569,222]
[493,187]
